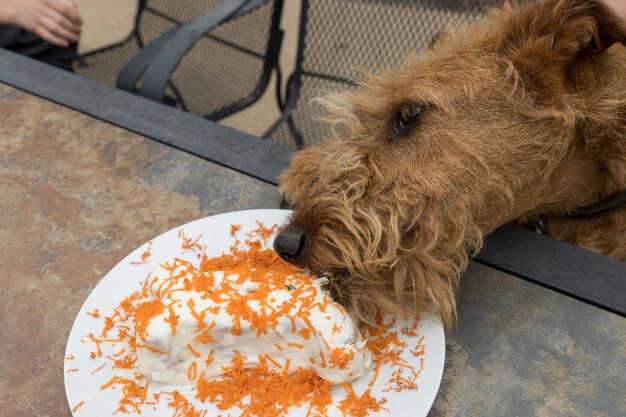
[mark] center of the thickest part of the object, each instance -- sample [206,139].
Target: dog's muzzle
[289,245]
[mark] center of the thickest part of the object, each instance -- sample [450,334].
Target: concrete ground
[109,21]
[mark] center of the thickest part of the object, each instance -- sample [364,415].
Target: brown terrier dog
[520,115]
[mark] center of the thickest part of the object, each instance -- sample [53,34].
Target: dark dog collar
[602,208]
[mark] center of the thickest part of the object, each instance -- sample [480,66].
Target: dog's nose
[288,245]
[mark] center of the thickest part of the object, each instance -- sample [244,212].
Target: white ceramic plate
[83,386]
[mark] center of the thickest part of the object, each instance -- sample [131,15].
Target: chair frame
[269,63]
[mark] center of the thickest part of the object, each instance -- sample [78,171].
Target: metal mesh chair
[223,71]
[338,36]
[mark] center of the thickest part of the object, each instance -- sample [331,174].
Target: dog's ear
[557,34]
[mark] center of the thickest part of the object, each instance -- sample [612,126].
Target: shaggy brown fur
[519,115]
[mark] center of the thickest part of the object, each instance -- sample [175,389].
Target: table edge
[548,262]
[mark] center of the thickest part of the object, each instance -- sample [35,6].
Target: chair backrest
[338,37]
[223,72]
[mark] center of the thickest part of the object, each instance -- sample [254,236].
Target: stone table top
[78,195]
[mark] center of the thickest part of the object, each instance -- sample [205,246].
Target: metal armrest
[132,71]
[158,73]
[159,58]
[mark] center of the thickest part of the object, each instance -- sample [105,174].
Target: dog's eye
[406,117]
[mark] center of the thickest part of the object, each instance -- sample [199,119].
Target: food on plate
[245,332]
[197,319]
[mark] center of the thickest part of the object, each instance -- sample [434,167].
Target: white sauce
[333,328]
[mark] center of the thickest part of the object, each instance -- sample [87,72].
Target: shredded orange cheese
[98,368]
[145,255]
[234,228]
[127,362]
[387,349]
[359,406]
[120,352]
[267,390]
[270,393]
[144,313]
[172,319]
[95,314]
[183,408]
[189,244]
[193,369]
[338,356]
[133,394]
[195,353]
[77,406]
[150,348]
